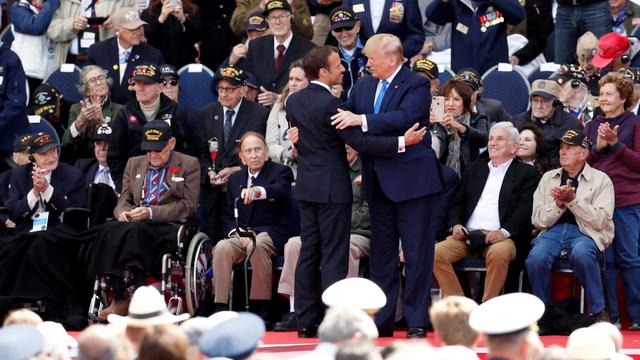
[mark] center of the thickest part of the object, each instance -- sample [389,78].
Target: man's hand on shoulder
[344,119]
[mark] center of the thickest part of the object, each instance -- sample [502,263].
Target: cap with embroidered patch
[147,73]
[103,132]
[41,143]
[548,89]
[127,18]
[232,74]
[257,22]
[169,70]
[576,138]
[426,67]
[471,77]
[44,100]
[587,46]
[276,5]
[22,143]
[342,16]
[155,135]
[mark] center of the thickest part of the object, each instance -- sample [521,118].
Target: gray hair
[341,323]
[82,84]
[98,342]
[514,134]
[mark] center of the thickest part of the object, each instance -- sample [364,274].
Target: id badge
[40,221]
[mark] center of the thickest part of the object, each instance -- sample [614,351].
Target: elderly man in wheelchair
[159,189]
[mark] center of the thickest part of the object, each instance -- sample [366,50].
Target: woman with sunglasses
[84,117]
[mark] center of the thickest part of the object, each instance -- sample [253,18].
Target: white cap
[506,314]
[356,292]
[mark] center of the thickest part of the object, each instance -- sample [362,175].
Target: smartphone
[96,20]
[437,106]
[173,2]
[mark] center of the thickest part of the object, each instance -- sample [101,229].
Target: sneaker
[602,316]
[616,322]
[289,322]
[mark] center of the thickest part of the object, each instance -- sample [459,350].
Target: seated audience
[86,116]
[150,104]
[45,102]
[252,88]
[166,342]
[261,193]
[157,188]
[616,52]
[490,107]
[429,69]
[575,94]
[462,132]
[44,188]
[547,112]
[617,153]
[345,28]
[586,48]
[102,342]
[173,27]
[171,81]
[122,54]
[281,150]
[358,243]
[256,26]
[573,207]
[450,321]
[19,157]
[533,148]
[490,215]
[13,96]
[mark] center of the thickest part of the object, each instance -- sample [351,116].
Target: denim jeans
[623,254]
[584,257]
[573,21]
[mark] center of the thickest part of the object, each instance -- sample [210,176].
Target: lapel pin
[216,117]
[115,67]
[395,87]
[138,176]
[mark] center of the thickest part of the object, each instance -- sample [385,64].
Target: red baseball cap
[612,45]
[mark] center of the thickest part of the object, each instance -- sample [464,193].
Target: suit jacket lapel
[91,174]
[136,180]
[132,62]
[370,95]
[270,60]
[114,58]
[386,10]
[368,24]
[506,190]
[393,88]
[176,162]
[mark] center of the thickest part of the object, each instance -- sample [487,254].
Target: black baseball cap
[103,132]
[155,135]
[257,22]
[41,143]
[147,73]
[232,74]
[276,5]
[427,67]
[21,143]
[342,16]
[44,100]
[252,81]
[169,70]
[577,138]
[471,77]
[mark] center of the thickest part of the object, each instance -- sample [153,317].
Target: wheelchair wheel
[198,264]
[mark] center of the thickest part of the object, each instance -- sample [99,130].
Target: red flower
[174,170]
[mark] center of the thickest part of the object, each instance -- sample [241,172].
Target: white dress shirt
[122,66]
[376,7]
[263,191]
[286,44]
[96,178]
[235,113]
[486,215]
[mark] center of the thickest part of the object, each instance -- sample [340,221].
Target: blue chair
[38,124]
[543,72]
[195,86]
[445,75]
[66,82]
[510,87]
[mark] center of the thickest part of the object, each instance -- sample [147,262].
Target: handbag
[33,51]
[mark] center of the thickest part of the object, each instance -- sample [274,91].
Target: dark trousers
[413,223]
[324,256]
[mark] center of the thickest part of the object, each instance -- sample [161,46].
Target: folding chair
[505,83]
[195,86]
[65,79]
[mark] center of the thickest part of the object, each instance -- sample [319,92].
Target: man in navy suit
[398,17]
[45,187]
[401,189]
[121,54]
[323,185]
[263,189]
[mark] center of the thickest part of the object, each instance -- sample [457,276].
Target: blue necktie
[383,90]
[228,125]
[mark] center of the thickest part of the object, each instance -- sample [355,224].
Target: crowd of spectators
[557,181]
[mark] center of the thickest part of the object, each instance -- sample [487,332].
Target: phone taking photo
[437,106]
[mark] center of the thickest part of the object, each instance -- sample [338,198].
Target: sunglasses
[346,28]
[172,82]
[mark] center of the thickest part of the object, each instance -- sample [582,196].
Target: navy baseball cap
[276,5]
[22,143]
[103,132]
[342,16]
[232,74]
[427,67]
[169,70]
[155,135]
[147,73]
[41,143]
[257,22]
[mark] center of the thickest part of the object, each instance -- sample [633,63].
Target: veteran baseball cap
[257,22]
[471,77]
[232,74]
[169,70]
[587,46]
[612,45]
[155,135]
[127,18]
[276,5]
[548,89]
[147,73]
[426,67]
[577,138]
[103,132]
[41,143]
[44,101]
[21,143]
[342,16]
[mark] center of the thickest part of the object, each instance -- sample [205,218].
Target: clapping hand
[40,183]
[414,135]
[563,194]
[607,135]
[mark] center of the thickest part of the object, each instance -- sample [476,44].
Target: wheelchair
[185,277]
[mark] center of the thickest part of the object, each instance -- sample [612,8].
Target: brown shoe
[602,316]
[120,307]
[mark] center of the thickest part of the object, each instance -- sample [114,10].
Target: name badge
[40,221]
[462,28]
[358,8]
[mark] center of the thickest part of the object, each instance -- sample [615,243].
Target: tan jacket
[61,30]
[592,207]
[277,126]
[184,188]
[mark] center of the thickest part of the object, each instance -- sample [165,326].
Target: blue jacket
[409,29]
[471,47]
[25,21]
[13,99]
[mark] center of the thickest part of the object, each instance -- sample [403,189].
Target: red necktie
[280,56]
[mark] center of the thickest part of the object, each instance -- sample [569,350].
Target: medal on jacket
[396,12]
[490,18]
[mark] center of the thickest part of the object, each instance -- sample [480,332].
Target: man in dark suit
[491,214]
[402,189]
[121,54]
[45,188]
[219,128]
[323,185]
[400,18]
[269,57]
[264,190]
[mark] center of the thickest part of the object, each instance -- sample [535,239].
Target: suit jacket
[493,109]
[402,176]
[251,117]
[68,191]
[515,202]
[272,215]
[176,204]
[260,61]
[89,168]
[323,172]
[409,28]
[105,54]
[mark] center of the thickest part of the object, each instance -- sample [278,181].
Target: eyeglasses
[346,28]
[97,80]
[172,82]
[279,17]
[230,89]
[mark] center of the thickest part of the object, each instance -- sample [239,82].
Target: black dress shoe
[307,332]
[416,332]
[384,331]
[289,322]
